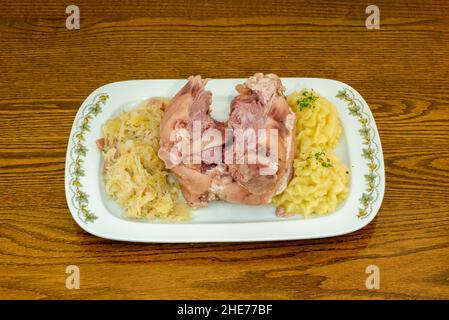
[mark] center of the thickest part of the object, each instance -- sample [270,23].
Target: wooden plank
[47,71]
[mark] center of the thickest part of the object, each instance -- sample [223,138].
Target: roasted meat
[262,105]
[211,159]
[188,108]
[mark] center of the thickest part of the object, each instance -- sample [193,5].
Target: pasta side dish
[133,173]
[320,180]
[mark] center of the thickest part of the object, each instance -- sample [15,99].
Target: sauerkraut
[134,175]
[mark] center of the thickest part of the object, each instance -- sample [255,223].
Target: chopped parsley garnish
[321,158]
[307,100]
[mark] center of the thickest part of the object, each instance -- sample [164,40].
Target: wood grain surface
[402,70]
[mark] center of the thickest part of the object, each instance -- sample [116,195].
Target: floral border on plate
[355,107]
[77,154]
[370,152]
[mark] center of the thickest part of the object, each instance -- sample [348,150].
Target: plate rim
[90,228]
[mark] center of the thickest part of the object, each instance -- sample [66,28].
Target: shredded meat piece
[259,105]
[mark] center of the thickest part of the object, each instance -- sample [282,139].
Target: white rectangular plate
[91,208]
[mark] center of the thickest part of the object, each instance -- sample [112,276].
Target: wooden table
[47,71]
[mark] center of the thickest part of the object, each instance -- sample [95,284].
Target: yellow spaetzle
[320,180]
[318,123]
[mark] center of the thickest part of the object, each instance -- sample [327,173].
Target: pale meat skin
[191,103]
[261,104]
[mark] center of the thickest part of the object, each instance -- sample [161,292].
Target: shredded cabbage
[133,173]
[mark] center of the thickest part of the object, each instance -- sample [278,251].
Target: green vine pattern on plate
[356,108]
[77,154]
[370,152]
